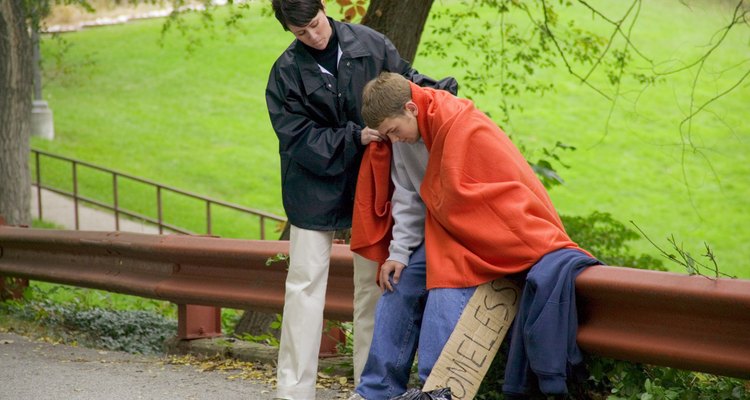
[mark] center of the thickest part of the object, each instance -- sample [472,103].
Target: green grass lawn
[199,122]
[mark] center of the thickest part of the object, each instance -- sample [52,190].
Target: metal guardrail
[661,318]
[687,322]
[177,268]
[115,206]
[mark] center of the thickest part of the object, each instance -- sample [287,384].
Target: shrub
[130,331]
[606,238]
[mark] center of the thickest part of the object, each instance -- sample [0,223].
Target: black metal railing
[118,211]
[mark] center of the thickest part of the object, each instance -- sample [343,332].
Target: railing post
[38,184]
[75,193]
[262,228]
[158,209]
[208,217]
[116,201]
[196,322]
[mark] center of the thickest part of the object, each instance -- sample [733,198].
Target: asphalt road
[39,370]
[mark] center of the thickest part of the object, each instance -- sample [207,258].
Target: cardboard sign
[474,342]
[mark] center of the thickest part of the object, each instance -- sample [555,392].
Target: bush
[130,331]
[606,238]
[620,380]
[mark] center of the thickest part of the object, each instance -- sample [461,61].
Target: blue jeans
[444,308]
[398,319]
[398,323]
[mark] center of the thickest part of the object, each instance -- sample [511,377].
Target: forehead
[392,122]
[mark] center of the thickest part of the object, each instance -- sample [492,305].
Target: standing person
[486,216]
[314,97]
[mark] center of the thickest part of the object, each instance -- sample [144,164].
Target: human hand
[371,135]
[388,268]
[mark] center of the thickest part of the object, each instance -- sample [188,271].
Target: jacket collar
[351,47]
[350,44]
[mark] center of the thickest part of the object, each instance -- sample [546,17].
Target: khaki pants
[304,300]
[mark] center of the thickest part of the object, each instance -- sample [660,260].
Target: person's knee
[406,292]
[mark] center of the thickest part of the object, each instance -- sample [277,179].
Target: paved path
[60,210]
[43,371]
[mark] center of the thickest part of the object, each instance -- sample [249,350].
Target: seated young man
[398,314]
[486,216]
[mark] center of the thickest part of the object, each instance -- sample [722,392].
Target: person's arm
[394,63]
[323,150]
[408,212]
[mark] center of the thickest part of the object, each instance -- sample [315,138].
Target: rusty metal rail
[642,316]
[177,268]
[687,322]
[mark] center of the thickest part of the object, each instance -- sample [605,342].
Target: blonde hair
[384,97]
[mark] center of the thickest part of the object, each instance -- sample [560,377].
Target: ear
[411,107]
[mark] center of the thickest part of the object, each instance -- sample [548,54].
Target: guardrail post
[196,322]
[329,342]
[10,287]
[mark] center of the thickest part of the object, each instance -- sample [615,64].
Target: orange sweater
[488,215]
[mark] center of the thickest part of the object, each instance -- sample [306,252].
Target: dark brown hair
[296,12]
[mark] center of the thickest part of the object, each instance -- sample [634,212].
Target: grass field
[199,122]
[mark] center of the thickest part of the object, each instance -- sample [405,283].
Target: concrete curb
[227,347]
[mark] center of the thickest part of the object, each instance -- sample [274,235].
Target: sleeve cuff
[357,134]
[402,258]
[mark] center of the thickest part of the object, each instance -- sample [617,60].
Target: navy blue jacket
[543,339]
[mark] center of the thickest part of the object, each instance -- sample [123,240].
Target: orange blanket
[488,215]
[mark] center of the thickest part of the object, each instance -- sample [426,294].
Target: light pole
[41,115]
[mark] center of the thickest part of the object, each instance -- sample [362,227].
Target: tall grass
[198,121]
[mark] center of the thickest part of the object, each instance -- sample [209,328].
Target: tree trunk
[16,83]
[401,20]
[257,323]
